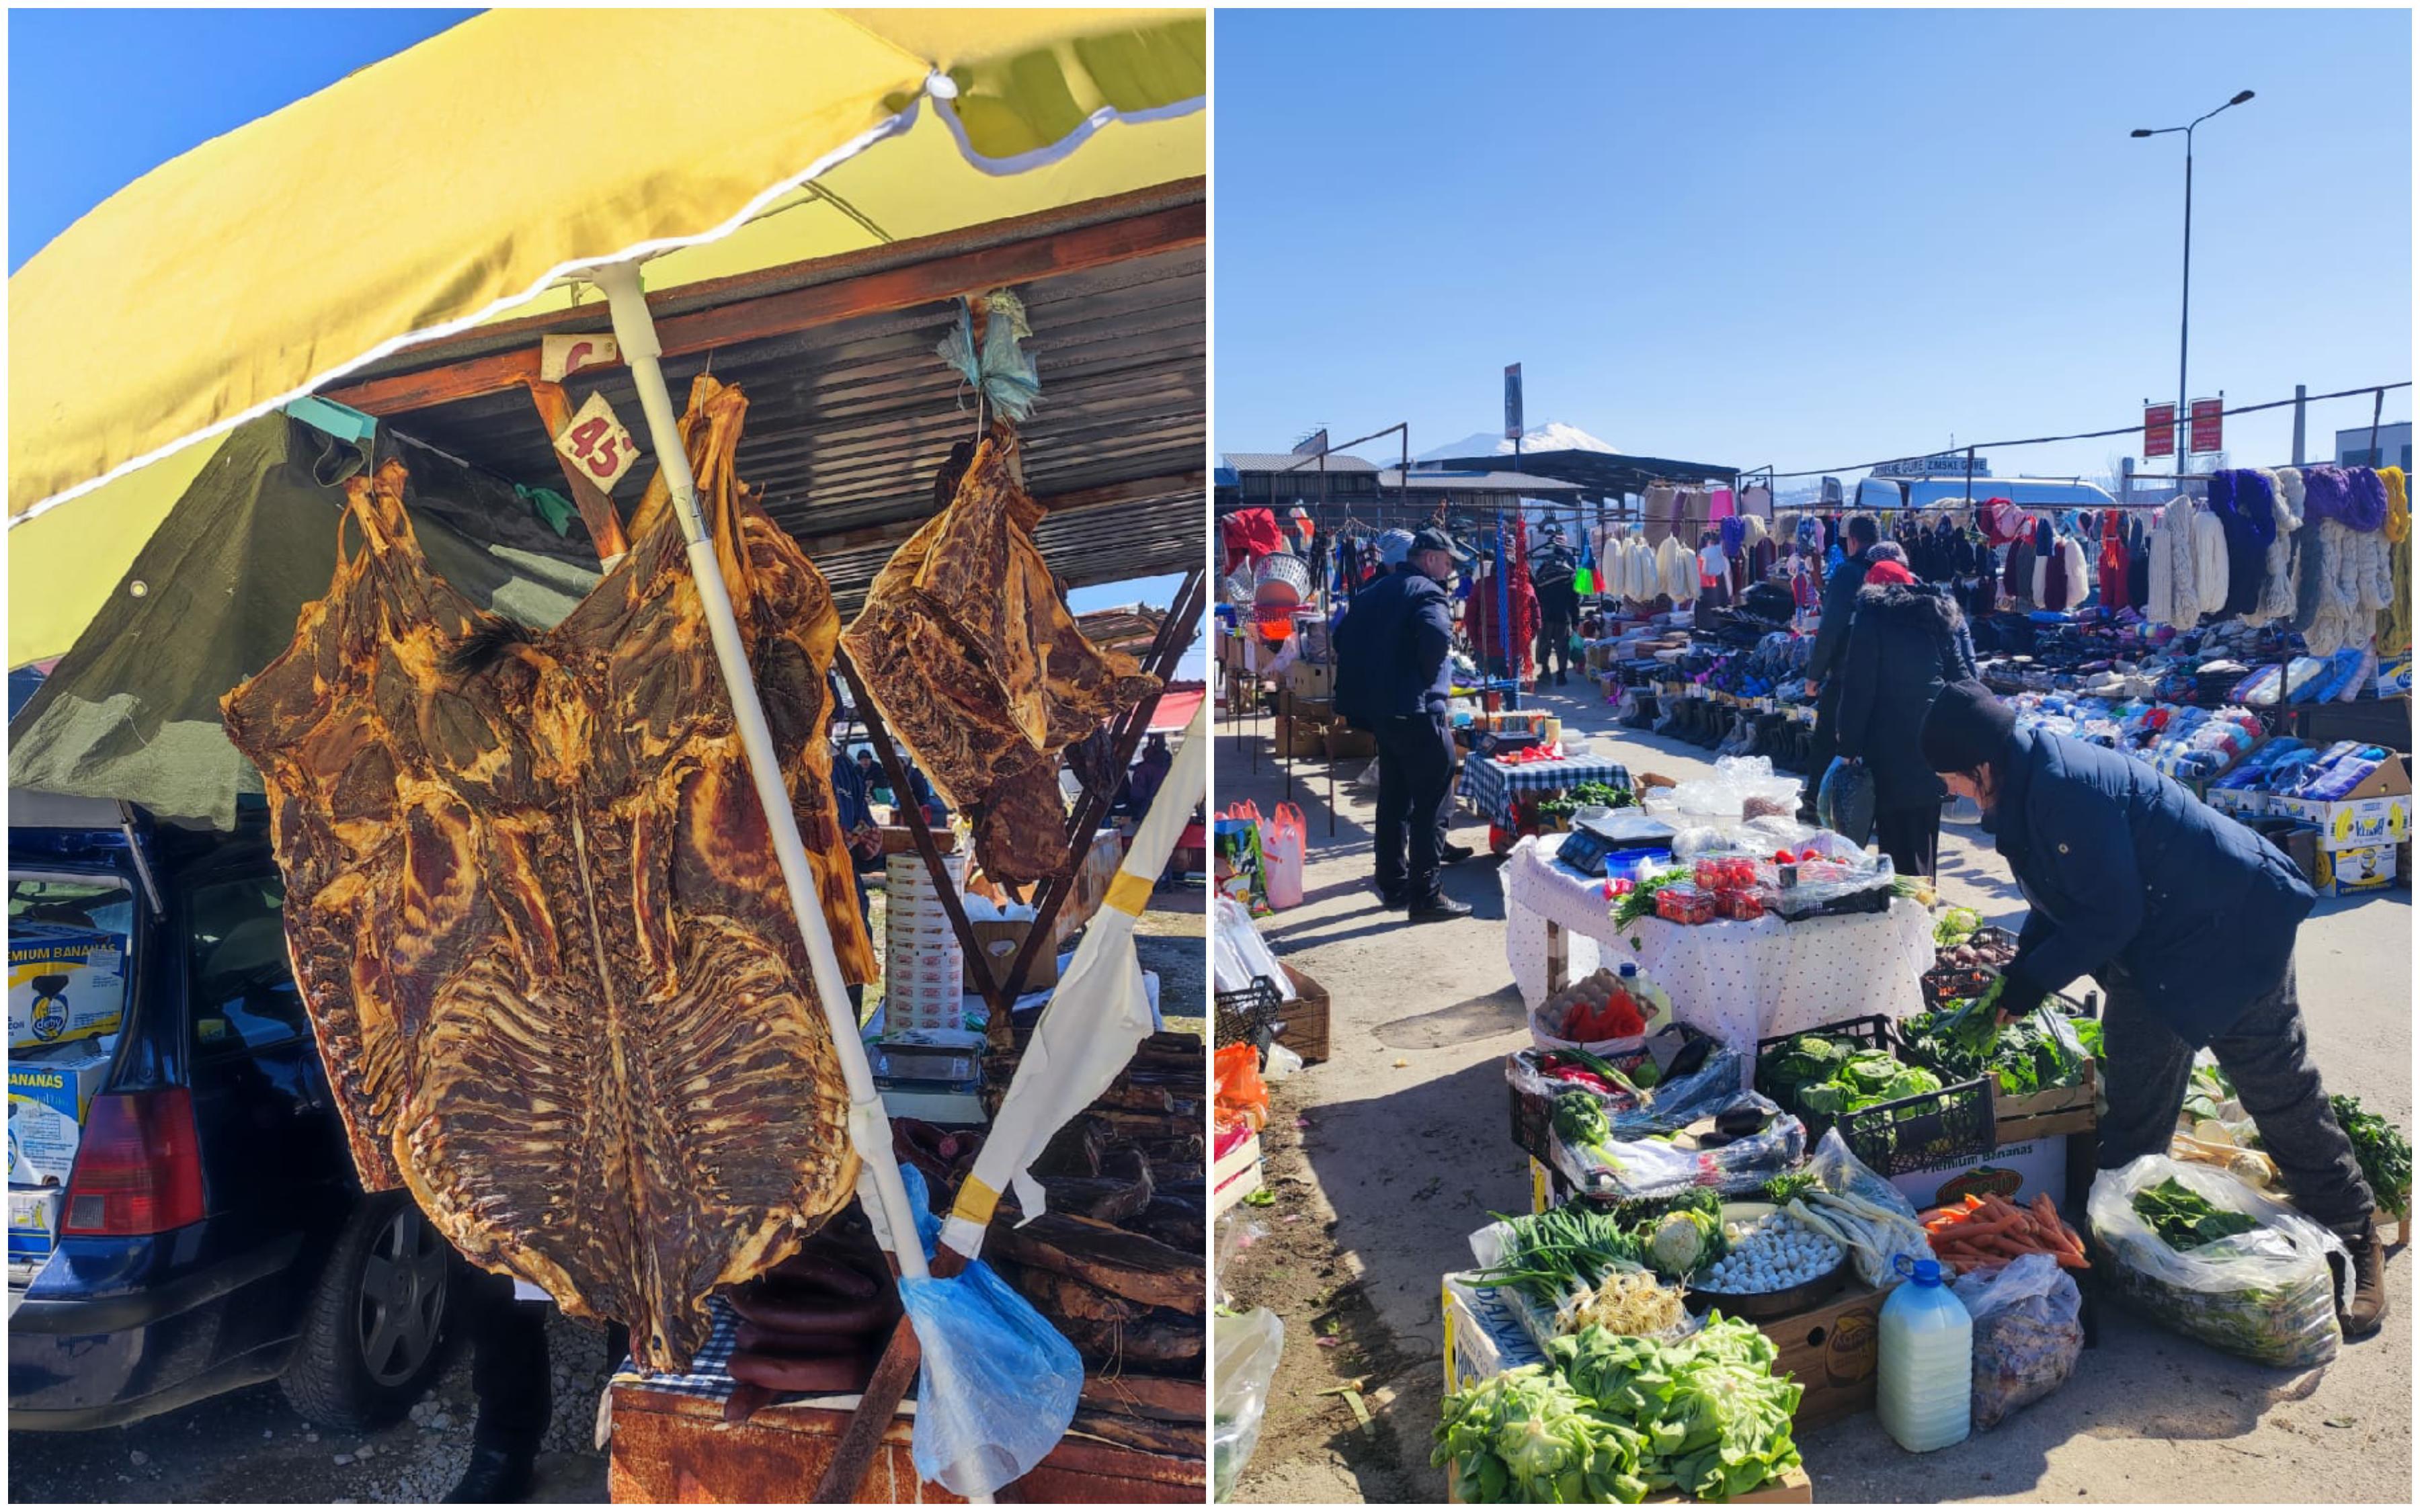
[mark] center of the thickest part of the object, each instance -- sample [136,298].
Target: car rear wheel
[371,1341]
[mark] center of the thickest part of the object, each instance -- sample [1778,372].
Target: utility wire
[2089,435]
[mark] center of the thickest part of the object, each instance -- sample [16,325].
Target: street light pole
[2184,311]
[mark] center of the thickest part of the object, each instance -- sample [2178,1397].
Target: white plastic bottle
[1924,1388]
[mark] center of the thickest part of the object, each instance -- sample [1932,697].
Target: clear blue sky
[1805,238]
[98,98]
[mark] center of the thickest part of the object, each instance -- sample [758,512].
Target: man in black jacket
[1393,679]
[1554,573]
[1830,648]
[2188,919]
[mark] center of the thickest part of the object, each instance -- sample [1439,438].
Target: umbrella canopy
[279,257]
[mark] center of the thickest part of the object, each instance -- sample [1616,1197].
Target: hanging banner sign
[1938,464]
[2159,430]
[2206,422]
[1512,402]
[597,443]
[559,357]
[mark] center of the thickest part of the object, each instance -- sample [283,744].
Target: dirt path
[1384,1159]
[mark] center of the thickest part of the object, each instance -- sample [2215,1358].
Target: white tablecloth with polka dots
[1740,980]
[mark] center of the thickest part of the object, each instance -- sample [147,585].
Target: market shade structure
[233,279]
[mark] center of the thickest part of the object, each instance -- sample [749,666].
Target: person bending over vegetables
[2187,920]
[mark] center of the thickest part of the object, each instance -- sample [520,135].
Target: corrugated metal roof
[1286,461]
[1521,483]
[847,424]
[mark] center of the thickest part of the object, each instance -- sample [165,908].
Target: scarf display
[2395,624]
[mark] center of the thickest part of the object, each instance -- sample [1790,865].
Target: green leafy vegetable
[1579,1118]
[2185,1219]
[2384,1154]
[1639,902]
[1682,1241]
[1788,1187]
[1955,925]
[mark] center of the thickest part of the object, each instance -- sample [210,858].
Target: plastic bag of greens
[2265,1293]
[1249,1345]
[2028,1333]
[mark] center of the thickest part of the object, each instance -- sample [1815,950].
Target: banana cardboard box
[50,1093]
[64,984]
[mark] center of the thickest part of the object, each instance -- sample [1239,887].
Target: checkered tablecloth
[1491,785]
[709,1375]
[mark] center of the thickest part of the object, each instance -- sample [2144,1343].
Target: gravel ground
[1385,1157]
[250,1446]
[1170,940]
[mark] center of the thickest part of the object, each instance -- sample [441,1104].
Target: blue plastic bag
[998,1384]
[1845,802]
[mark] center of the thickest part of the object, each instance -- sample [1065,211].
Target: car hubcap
[403,1297]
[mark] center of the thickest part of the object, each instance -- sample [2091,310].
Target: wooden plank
[1105,496]
[597,510]
[945,275]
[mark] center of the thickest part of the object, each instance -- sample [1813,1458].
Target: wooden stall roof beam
[946,274]
[1184,618]
[878,734]
[597,510]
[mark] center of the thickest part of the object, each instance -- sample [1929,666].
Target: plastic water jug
[1925,1379]
[1655,1003]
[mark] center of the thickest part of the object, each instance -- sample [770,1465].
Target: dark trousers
[509,1375]
[1554,645]
[1415,801]
[2266,1055]
[1824,743]
[1910,837]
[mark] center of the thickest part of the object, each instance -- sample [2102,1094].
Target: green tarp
[131,710]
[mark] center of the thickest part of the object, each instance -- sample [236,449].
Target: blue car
[211,1232]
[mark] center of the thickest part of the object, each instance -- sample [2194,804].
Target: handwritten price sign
[596,444]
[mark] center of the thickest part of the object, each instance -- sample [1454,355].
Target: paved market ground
[250,1446]
[1385,1158]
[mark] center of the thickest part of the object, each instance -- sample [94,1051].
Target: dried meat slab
[967,647]
[534,908]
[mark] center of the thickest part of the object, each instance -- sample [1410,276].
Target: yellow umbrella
[460,181]
[435,190]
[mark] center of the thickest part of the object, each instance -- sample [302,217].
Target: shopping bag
[1284,839]
[1844,803]
[1241,873]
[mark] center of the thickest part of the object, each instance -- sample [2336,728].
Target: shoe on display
[1440,907]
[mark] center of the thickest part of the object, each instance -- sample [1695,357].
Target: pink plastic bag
[1284,841]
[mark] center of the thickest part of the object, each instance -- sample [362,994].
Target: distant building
[2392,448]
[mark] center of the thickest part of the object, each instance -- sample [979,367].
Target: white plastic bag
[1239,953]
[2028,1333]
[2267,1295]
[1248,1346]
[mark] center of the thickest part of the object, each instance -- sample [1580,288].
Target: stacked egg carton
[923,968]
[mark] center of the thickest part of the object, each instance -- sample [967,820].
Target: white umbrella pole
[869,1126]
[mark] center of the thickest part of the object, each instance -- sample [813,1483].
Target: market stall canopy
[461,179]
[1175,709]
[1598,475]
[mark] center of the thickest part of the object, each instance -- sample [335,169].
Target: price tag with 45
[598,444]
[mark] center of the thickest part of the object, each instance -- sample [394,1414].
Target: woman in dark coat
[2187,920]
[1906,641]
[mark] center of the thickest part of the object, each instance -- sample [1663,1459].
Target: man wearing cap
[2187,920]
[1554,573]
[1393,679]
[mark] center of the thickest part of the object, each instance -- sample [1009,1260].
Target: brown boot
[2368,1309]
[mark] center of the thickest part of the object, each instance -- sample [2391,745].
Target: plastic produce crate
[1248,1015]
[1912,1133]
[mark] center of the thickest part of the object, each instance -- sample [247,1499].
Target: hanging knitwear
[2395,624]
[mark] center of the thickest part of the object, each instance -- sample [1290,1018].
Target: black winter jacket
[1392,650]
[1904,642]
[1839,602]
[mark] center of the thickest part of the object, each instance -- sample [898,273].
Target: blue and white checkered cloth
[1490,785]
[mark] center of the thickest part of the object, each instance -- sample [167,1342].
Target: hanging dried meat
[535,911]
[971,654]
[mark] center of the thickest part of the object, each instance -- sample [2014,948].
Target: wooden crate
[1305,1017]
[669,1447]
[2059,1110]
[1830,1350]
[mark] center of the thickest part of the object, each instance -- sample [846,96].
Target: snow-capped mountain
[1554,436]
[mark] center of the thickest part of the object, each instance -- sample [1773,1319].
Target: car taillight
[138,1168]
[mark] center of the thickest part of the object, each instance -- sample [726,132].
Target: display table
[671,1444]
[1738,979]
[1492,786]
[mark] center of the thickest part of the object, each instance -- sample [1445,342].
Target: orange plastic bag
[1241,1091]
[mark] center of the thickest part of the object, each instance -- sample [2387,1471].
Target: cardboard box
[50,1094]
[64,984]
[2349,869]
[1831,1349]
[2379,811]
[1301,739]
[1302,1024]
[2018,1171]
[32,1223]
[1311,680]
[1000,940]
[1345,744]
